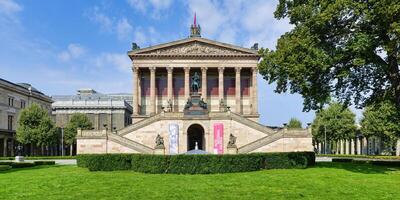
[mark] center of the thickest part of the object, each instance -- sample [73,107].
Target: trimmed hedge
[4,167]
[22,164]
[44,162]
[195,164]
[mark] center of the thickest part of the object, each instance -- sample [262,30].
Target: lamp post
[325,139]
[62,141]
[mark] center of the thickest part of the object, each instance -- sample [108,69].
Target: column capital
[204,68]
[186,69]
[135,68]
[254,69]
[237,69]
[170,69]
[152,69]
[221,69]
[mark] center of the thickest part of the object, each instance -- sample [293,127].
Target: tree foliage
[294,123]
[381,120]
[78,120]
[338,122]
[346,49]
[35,126]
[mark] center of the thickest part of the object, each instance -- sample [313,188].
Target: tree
[381,120]
[294,123]
[346,49]
[338,122]
[78,120]
[35,127]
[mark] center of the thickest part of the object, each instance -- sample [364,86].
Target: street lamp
[325,139]
[62,141]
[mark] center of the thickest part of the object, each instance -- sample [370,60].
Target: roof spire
[195,29]
[194,23]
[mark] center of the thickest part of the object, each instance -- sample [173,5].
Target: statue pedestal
[196,107]
[159,151]
[19,159]
[232,150]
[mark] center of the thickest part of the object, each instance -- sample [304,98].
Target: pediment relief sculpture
[195,48]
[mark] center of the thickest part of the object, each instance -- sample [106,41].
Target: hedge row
[390,163]
[7,165]
[195,164]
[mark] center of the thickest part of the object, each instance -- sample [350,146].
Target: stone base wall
[246,133]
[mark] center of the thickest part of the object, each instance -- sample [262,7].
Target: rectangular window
[10,122]
[22,104]
[11,101]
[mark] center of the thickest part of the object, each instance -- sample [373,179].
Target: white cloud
[105,22]
[73,51]
[9,7]
[124,29]
[240,22]
[154,7]
[113,60]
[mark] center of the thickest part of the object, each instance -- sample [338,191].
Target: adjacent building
[13,98]
[105,111]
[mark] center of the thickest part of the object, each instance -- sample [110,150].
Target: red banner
[218,138]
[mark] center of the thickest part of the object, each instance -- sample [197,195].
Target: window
[10,101]
[22,104]
[10,122]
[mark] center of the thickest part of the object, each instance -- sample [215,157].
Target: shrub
[44,162]
[394,163]
[195,164]
[22,164]
[4,167]
[6,163]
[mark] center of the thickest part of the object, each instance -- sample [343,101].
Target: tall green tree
[35,127]
[78,120]
[294,123]
[346,49]
[338,122]
[381,120]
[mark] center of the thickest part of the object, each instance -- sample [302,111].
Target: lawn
[324,181]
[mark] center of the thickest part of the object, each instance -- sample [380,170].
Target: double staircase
[270,137]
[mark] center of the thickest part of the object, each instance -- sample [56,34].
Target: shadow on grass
[358,167]
[29,168]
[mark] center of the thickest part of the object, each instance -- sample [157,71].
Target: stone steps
[130,144]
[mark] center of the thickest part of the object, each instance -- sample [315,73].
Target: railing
[129,143]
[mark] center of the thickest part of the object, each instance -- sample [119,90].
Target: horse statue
[195,86]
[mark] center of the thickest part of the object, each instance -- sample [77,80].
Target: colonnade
[152,104]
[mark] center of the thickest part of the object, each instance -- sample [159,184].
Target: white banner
[173,138]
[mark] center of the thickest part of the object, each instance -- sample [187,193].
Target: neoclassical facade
[194,95]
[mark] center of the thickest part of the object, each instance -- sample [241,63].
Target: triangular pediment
[194,47]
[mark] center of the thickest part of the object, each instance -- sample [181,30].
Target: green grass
[324,181]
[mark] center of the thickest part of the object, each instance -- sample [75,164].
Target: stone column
[204,83]
[5,146]
[352,152]
[237,90]
[152,90]
[359,146]
[347,146]
[169,83]
[254,92]
[139,93]
[134,90]
[398,148]
[187,89]
[342,147]
[220,83]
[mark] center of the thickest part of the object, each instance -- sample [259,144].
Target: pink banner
[218,138]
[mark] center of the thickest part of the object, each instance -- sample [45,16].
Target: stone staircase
[260,142]
[129,143]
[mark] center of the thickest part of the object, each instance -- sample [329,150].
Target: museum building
[194,95]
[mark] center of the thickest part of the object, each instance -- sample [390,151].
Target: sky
[61,46]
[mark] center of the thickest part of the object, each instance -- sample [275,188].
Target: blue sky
[61,46]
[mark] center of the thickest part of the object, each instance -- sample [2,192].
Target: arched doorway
[195,133]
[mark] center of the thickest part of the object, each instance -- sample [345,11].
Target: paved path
[58,161]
